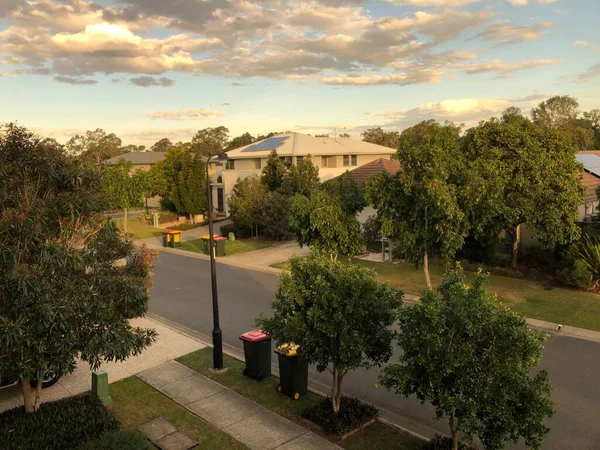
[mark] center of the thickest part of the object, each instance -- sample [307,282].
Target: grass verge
[135,402]
[231,247]
[377,435]
[138,229]
[531,298]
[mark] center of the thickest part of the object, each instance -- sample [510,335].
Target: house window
[257,163]
[299,160]
[230,165]
[286,160]
[323,161]
[346,160]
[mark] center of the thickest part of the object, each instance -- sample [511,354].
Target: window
[350,160]
[286,160]
[257,163]
[230,164]
[353,160]
[323,161]
[299,160]
[346,160]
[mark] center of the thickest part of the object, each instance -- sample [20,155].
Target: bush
[164,217]
[274,216]
[577,275]
[440,442]
[119,440]
[226,229]
[371,230]
[353,413]
[59,425]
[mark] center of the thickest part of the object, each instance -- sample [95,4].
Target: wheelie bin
[166,235]
[257,352]
[175,238]
[293,371]
[206,242]
[220,246]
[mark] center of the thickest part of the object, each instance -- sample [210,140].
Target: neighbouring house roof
[138,158]
[362,173]
[591,175]
[298,144]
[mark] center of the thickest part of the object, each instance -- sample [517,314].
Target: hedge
[119,440]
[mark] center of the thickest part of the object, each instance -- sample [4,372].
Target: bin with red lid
[220,246]
[257,352]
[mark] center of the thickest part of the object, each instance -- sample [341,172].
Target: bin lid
[167,230]
[289,349]
[207,236]
[174,231]
[220,238]
[254,336]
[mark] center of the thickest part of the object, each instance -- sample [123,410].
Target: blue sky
[147,69]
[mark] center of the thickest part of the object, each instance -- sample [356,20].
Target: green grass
[139,230]
[263,393]
[381,436]
[531,298]
[135,402]
[231,247]
[378,435]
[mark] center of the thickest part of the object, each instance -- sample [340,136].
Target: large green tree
[68,280]
[161,145]
[188,194]
[274,172]
[472,359]
[246,202]
[240,141]
[347,191]
[124,187]
[210,141]
[377,136]
[520,172]
[94,147]
[338,313]
[422,207]
[301,179]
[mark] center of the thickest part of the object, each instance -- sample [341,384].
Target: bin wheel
[296,396]
[259,377]
[245,372]
[278,388]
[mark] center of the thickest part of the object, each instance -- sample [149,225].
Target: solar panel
[267,144]
[591,163]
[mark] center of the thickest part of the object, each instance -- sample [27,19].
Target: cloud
[505,33]
[518,2]
[506,70]
[72,80]
[447,3]
[590,74]
[151,81]
[416,76]
[589,45]
[184,114]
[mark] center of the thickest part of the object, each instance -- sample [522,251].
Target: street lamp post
[217,337]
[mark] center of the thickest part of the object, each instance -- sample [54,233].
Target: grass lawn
[378,435]
[135,402]
[139,230]
[531,298]
[231,247]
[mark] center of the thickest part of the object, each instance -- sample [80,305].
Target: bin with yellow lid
[175,240]
[206,242]
[293,370]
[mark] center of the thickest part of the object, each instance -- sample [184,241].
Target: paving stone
[176,441]
[165,373]
[225,409]
[157,428]
[264,431]
[308,441]
[191,389]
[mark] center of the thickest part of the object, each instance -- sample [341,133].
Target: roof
[298,144]
[362,173]
[591,176]
[138,158]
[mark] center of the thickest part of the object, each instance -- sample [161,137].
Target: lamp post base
[217,338]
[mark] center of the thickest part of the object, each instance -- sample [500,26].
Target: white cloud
[448,3]
[506,70]
[591,73]
[519,2]
[185,114]
[415,76]
[505,33]
[586,44]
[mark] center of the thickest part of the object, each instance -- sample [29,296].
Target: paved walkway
[243,419]
[170,344]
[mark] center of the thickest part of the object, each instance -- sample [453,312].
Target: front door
[220,200]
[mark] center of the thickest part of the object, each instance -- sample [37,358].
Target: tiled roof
[362,173]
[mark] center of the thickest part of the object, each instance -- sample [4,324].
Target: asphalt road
[181,293]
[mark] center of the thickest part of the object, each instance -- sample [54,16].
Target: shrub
[164,217]
[353,413]
[371,230]
[274,212]
[119,440]
[59,425]
[576,275]
[440,442]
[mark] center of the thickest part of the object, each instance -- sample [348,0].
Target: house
[140,160]
[591,180]
[333,156]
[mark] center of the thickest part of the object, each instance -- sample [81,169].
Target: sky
[148,69]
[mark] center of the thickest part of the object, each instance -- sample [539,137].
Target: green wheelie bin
[293,371]
[257,352]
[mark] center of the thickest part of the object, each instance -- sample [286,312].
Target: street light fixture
[217,338]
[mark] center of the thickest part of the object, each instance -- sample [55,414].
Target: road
[181,293]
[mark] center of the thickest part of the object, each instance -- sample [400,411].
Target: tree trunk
[454,432]
[125,220]
[335,391]
[26,395]
[516,240]
[426,270]
[38,392]
[339,391]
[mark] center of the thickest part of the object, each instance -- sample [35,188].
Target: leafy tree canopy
[94,147]
[161,145]
[301,179]
[274,172]
[246,202]
[377,136]
[472,359]
[210,141]
[240,141]
[347,191]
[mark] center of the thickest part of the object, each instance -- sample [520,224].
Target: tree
[262,137]
[124,187]
[344,135]
[132,148]
[274,172]
[472,359]
[302,179]
[522,173]
[556,112]
[274,215]
[377,136]
[240,141]
[320,223]
[511,113]
[188,194]
[210,141]
[593,117]
[348,193]
[338,314]
[68,280]
[94,147]
[245,203]
[162,145]
[422,207]
[321,135]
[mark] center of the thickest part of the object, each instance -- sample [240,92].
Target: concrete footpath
[248,422]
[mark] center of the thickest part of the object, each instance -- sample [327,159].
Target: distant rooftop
[138,158]
[362,173]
